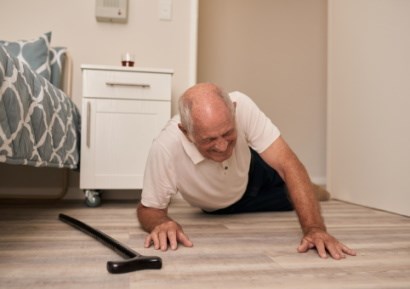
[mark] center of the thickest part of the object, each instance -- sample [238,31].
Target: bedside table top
[122,68]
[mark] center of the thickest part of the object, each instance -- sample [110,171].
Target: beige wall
[275,51]
[156,43]
[369,103]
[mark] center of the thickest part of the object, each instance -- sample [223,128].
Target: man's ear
[183,129]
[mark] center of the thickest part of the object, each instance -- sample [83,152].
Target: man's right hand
[163,231]
[166,233]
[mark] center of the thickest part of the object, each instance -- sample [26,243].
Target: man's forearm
[280,157]
[149,218]
[304,200]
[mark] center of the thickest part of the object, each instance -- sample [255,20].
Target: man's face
[215,138]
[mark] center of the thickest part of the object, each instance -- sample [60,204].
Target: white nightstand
[123,109]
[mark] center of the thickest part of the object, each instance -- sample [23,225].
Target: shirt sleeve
[259,130]
[159,178]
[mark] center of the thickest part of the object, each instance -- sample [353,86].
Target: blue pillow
[57,59]
[35,53]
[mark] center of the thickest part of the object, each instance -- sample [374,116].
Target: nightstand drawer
[126,85]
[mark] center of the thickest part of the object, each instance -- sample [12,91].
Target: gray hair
[185,108]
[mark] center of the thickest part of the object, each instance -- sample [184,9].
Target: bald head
[202,103]
[208,121]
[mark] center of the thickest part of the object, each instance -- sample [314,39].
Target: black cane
[133,260]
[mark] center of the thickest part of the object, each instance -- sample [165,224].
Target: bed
[39,123]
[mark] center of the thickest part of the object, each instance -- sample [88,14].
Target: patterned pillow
[57,59]
[34,52]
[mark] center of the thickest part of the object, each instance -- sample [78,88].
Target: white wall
[156,43]
[369,103]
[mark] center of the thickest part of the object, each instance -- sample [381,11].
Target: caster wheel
[92,198]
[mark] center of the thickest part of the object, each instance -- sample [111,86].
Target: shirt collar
[191,150]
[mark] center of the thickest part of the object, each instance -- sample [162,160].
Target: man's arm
[280,157]
[161,228]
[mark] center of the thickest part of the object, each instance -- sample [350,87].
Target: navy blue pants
[265,192]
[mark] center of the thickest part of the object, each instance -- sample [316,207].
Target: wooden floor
[239,251]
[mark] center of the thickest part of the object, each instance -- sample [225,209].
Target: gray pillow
[57,59]
[35,53]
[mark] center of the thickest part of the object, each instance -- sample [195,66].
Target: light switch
[165,9]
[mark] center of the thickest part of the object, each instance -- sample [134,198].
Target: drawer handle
[142,85]
[88,124]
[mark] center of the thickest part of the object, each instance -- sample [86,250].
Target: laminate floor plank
[234,251]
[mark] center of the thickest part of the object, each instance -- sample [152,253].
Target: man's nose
[221,145]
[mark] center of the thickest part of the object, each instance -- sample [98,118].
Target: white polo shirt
[175,165]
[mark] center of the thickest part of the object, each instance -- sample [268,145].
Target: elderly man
[223,155]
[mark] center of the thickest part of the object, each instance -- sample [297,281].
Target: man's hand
[322,241]
[163,231]
[167,233]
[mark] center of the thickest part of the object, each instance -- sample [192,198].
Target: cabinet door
[116,137]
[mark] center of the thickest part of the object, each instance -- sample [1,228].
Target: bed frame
[67,88]
[29,186]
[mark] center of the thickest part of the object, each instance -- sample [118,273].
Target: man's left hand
[324,242]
